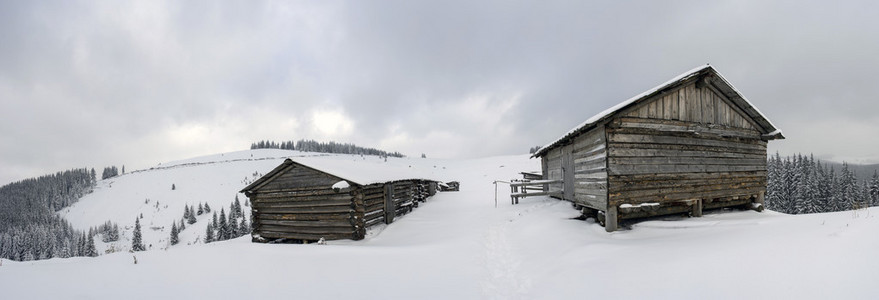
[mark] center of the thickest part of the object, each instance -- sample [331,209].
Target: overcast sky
[98,83]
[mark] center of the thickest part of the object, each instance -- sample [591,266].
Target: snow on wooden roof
[767,128]
[360,170]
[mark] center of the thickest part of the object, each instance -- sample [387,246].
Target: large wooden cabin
[689,144]
[313,198]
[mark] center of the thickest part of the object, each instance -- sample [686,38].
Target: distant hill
[862,172]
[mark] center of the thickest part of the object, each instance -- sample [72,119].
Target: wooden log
[374,222]
[301,217]
[615,186]
[664,209]
[683,176]
[732,201]
[307,210]
[315,191]
[304,204]
[666,160]
[308,230]
[679,147]
[611,219]
[758,207]
[641,152]
[685,139]
[374,207]
[629,193]
[677,168]
[674,197]
[304,236]
[318,224]
[389,203]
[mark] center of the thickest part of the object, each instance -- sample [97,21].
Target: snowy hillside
[458,245]
[214,180]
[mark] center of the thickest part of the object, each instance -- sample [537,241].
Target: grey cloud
[86,83]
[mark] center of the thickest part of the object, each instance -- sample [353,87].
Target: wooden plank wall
[654,160]
[374,204]
[691,104]
[553,168]
[590,173]
[301,205]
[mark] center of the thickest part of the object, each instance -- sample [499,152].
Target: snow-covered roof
[359,170]
[767,128]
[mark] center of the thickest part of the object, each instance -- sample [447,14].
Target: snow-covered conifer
[214,221]
[244,227]
[874,188]
[136,240]
[233,227]
[209,234]
[191,219]
[223,229]
[175,238]
[90,250]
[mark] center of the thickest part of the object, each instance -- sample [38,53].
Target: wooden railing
[527,188]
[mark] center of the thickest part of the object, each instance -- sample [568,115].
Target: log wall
[300,204]
[589,156]
[653,160]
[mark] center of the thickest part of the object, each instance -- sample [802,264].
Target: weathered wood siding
[553,168]
[589,153]
[691,104]
[374,204]
[582,166]
[685,145]
[301,204]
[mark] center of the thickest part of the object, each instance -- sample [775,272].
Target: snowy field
[458,245]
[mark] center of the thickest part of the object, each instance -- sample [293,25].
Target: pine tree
[214,221]
[209,234]
[207,208]
[186,211]
[233,227]
[82,247]
[244,227]
[191,219]
[114,234]
[235,212]
[824,189]
[223,230]
[182,225]
[874,188]
[200,209]
[848,186]
[136,242]
[175,238]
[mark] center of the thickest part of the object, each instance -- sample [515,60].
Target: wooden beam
[611,219]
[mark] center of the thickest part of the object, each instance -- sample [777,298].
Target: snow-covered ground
[458,245]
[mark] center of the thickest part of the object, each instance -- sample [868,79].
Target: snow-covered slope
[214,180]
[459,246]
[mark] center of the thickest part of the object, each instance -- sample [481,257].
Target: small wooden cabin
[313,198]
[689,144]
